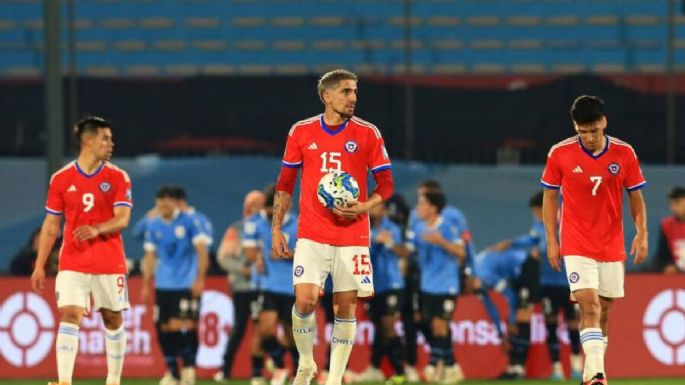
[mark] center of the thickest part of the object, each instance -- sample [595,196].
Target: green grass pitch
[653,381]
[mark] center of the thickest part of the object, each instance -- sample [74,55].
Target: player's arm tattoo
[281,207]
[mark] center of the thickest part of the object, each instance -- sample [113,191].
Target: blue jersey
[454,215]
[140,227]
[386,264]
[499,268]
[536,238]
[174,244]
[439,268]
[278,273]
[204,224]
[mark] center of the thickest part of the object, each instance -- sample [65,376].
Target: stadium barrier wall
[647,334]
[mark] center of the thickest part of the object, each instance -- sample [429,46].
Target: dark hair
[90,125]
[536,199]
[270,195]
[180,193]
[587,109]
[167,191]
[332,79]
[431,185]
[435,198]
[677,192]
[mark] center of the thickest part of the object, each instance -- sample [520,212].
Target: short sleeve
[634,179]
[123,195]
[150,243]
[292,157]
[194,227]
[55,203]
[250,234]
[453,235]
[551,176]
[378,155]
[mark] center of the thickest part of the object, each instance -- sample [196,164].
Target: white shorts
[349,266]
[587,273]
[109,291]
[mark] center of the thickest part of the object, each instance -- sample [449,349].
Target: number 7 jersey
[356,147]
[85,199]
[591,223]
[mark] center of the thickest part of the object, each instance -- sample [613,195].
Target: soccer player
[384,308]
[441,250]
[670,253]
[336,241]
[591,169]
[180,244]
[277,297]
[201,219]
[554,292]
[94,197]
[231,258]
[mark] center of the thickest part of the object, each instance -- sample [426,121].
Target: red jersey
[674,231]
[591,223]
[88,200]
[356,148]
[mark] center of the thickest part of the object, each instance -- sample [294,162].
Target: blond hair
[331,79]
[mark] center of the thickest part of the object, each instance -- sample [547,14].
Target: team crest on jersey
[574,277]
[104,187]
[180,232]
[614,168]
[299,270]
[351,146]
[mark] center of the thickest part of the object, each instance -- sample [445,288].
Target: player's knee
[305,304]
[71,315]
[591,310]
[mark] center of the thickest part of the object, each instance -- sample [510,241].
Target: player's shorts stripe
[342,320]
[382,167]
[637,186]
[53,212]
[291,165]
[549,185]
[123,203]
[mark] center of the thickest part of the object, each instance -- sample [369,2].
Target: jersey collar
[331,132]
[593,156]
[78,168]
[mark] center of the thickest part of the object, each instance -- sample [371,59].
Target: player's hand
[279,245]
[38,280]
[145,297]
[197,288]
[383,237]
[433,237]
[639,247]
[352,210]
[289,255]
[553,255]
[85,232]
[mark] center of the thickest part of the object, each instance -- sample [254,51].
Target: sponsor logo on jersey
[578,170]
[351,146]
[614,168]
[366,280]
[312,146]
[104,187]
[71,188]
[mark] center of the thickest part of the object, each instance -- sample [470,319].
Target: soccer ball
[336,189]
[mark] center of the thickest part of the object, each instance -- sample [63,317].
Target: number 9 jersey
[591,223]
[355,147]
[89,199]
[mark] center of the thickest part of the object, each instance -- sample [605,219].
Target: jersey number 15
[330,161]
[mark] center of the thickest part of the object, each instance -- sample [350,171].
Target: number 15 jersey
[591,223]
[355,147]
[89,199]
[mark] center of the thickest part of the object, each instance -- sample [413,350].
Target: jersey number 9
[88,200]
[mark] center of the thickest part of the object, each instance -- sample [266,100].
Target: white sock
[593,346]
[606,343]
[304,331]
[342,341]
[66,348]
[115,345]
